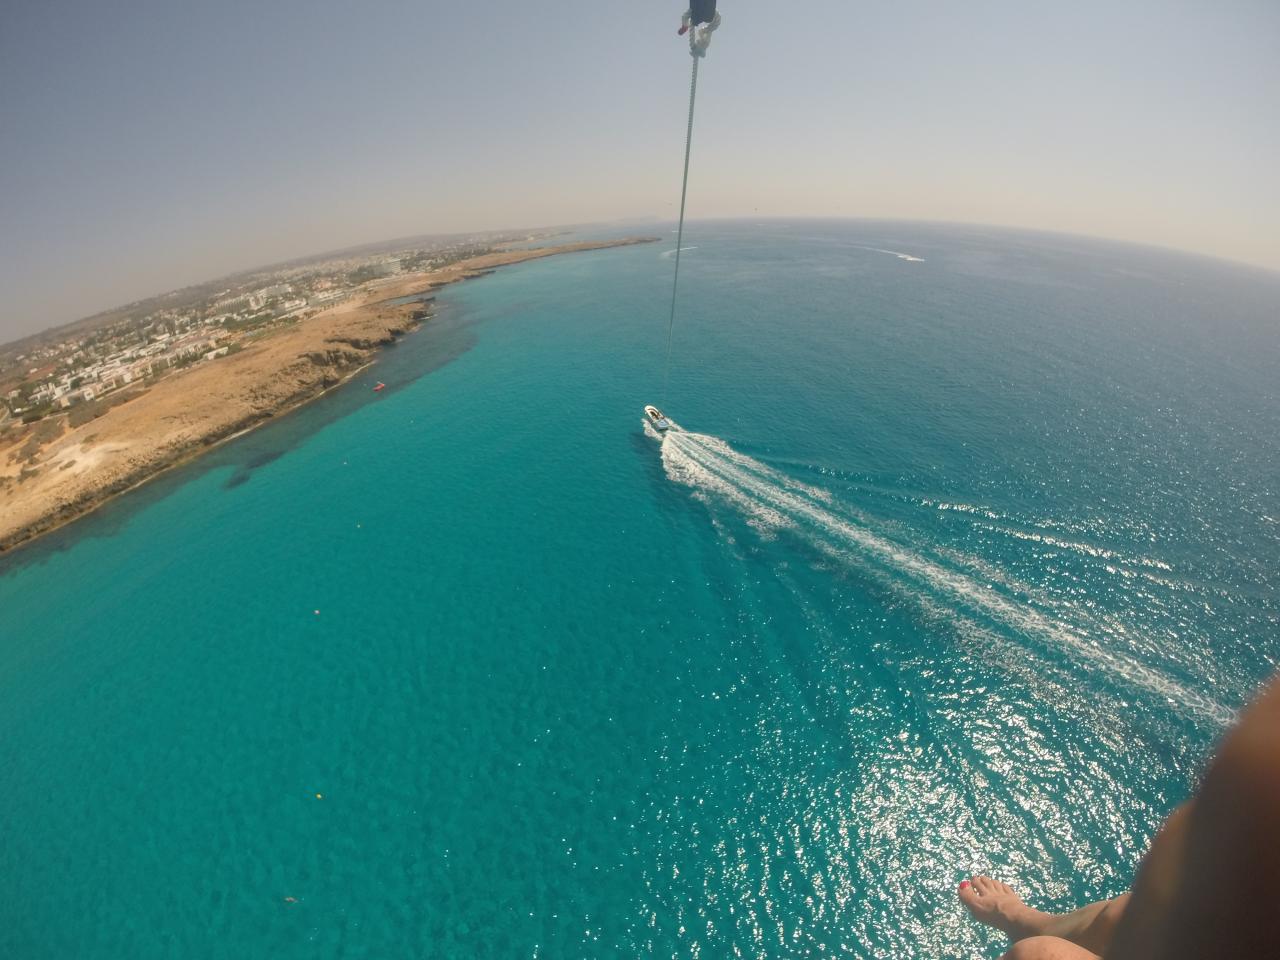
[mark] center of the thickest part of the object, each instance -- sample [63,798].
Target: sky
[148,144]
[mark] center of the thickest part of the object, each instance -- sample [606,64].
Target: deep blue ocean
[961,557]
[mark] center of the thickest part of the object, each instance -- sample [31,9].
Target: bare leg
[1047,948]
[1207,886]
[1210,884]
[995,904]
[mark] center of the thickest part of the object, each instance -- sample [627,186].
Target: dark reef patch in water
[438,343]
[251,464]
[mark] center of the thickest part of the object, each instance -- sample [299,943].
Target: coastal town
[95,408]
[93,365]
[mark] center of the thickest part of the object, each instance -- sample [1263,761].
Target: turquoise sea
[962,557]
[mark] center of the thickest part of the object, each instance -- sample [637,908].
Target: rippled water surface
[961,555]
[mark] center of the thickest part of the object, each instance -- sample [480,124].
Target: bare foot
[995,904]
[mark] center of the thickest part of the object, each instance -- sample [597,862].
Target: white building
[266,293]
[325,297]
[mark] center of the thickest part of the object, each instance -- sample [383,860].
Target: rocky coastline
[186,414]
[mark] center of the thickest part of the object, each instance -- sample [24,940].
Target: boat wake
[668,254]
[893,253]
[776,504]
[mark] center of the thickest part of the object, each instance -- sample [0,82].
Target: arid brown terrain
[54,472]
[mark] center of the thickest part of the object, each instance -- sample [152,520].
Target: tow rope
[699,40]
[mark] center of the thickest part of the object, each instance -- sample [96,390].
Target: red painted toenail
[963,884]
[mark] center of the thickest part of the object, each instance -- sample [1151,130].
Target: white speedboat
[655,417]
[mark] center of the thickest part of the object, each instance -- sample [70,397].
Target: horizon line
[1271,271]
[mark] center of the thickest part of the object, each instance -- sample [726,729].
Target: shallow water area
[959,558]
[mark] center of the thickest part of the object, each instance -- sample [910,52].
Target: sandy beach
[69,474]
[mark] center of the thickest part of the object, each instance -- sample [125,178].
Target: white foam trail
[771,501]
[963,508]
[668,254]
[1087,549]
[1115,562]
[893,253]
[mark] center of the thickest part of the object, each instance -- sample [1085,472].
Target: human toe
[986,886]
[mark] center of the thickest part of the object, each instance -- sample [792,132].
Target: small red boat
[380,387]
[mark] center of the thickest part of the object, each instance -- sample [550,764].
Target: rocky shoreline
[185,415]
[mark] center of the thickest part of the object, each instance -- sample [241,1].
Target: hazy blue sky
[149,144]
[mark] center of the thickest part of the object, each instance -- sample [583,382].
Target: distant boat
[380,387]
[656,417]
